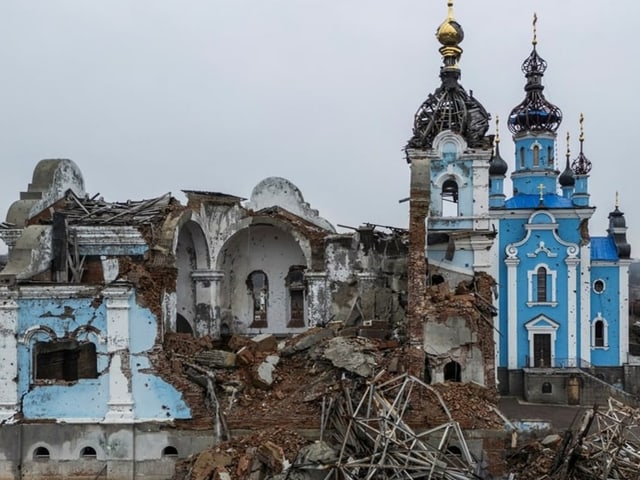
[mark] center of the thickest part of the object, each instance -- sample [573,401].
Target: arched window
[599,332]
[182,325]
[41,453]
[258,288]
[88,452]
[296,285]
[598,328]
[170,451]
[450,198]
[541,284]
[521,157]
[547,388]
[453,372]
[550,156]
[536,155]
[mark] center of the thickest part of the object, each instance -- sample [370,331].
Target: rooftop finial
[534,42]
[497,129]
[450,35]
[617,200]
[581,130]
[568,147]
[450,6]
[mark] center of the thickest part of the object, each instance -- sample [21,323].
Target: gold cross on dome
[541,189]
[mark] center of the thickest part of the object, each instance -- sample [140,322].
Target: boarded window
[65,360]
[296,284]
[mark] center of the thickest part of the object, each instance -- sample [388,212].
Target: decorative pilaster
[207,292]
[318,305]
[9,403]
[584,316]
[512,315]
[572,312]
[120,397]
[624,311]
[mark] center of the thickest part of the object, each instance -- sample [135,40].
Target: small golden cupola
[450,35]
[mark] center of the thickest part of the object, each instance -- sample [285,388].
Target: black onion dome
[617,229]
[450,107]
[616,219]
[566,178]
[497,165]
[534,113]
[581,165]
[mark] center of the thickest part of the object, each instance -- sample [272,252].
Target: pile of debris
[605,445]
[368,419]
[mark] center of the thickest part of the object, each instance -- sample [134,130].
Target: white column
[207,288]
[572,306]
[9,404]
[512,312]
[318,307]
[585,303]
[624,311]
[118,332]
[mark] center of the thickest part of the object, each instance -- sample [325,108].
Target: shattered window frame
[64,361]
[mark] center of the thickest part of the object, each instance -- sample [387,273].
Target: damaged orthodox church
[91,288]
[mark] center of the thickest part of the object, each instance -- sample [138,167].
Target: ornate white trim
[605,333]
[530,274]
[572,249]
[542,248]
[549,327]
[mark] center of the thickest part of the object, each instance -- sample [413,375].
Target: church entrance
[542,350]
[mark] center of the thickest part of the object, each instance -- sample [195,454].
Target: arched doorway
[453,372]
[191,255]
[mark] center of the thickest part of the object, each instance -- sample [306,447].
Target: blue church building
[561,296]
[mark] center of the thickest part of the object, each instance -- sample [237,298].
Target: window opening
[536,155]
[541,284]
[88,452]
[258,287]
[41,453]
[547,388]
[599,334]
[550,156]
[183,325]
[598,286]
[522,157]
[295,282]
[170,451]
[450,198]
[65,360]
[453,372]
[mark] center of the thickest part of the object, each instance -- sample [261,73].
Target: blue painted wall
[87,398]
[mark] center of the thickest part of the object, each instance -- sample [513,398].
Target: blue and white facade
[562,294]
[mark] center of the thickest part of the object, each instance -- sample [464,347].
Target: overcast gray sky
[150,96]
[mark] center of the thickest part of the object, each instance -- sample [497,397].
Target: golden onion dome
[450,32]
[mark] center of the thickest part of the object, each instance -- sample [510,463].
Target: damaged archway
[263,286]
[193,303]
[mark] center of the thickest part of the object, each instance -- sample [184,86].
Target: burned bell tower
[449,155]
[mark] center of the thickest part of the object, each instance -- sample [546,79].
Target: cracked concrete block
[217,359]
[265,342]
[307,341]
[349,356]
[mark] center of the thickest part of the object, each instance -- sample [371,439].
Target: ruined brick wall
[417,265]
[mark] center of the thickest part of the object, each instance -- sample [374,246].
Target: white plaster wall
[260,247]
